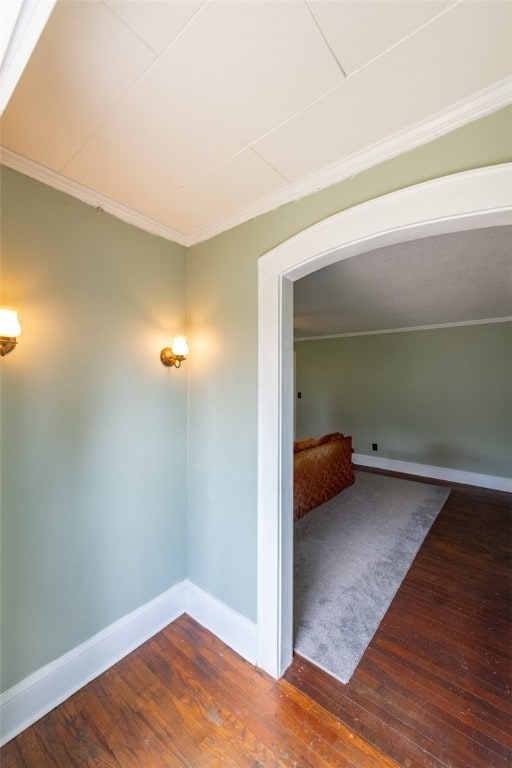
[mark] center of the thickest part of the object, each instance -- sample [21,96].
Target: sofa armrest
[321,471]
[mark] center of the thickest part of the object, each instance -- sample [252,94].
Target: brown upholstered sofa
[322,469]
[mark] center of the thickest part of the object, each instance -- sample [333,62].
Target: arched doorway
[470,200]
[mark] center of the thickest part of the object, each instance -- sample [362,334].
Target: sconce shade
[9,323]
[180,346]
[9,329]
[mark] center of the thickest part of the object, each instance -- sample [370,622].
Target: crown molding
[485,102]
[472,108]
[488,321]
[63,184]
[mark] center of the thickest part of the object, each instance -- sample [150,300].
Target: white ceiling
[461,277]
[190,116]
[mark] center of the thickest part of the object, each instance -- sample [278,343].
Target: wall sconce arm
[7,344]
[168,357]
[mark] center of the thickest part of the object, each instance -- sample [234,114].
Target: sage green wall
[94,428]
[441,397]
[223,285]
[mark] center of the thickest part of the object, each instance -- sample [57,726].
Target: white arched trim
[470,200]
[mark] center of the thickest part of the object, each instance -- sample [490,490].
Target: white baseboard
[37,694]
[230,626]
[49,686]
[436,473]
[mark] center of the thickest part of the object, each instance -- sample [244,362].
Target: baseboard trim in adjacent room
[50,685]
[234,629]
[436,473]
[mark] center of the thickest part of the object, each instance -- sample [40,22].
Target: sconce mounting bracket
[7,344]
[168,357]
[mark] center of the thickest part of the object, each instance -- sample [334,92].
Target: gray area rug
[350,557]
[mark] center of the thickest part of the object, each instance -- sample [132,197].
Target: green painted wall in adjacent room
[94,428]
[440,397]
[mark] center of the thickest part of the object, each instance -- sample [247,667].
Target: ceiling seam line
[264,160]
[129,29]
[121,99]
[338,62]
[403,39]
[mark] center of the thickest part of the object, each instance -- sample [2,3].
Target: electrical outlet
[374,447]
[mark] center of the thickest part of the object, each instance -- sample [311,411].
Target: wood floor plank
[444,649]
[430,716]
[124,727]
[467,684]
[317,731]
[434,686]
[11,755]
[361,715]
[184,699]
[493,636]
[450,697]
[222,704]
[192,718]
[208,717]
[84,743]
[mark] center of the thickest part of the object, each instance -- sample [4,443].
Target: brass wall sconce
[9,329]
[176,354]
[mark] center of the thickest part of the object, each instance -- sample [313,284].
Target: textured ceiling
[456,278]
[187,117]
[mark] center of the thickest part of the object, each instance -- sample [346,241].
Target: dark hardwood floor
[185,699]
[434,687]
[432,690]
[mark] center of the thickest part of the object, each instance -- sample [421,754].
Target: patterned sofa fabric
[322,469]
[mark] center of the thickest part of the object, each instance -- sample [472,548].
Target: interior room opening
[460,202]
